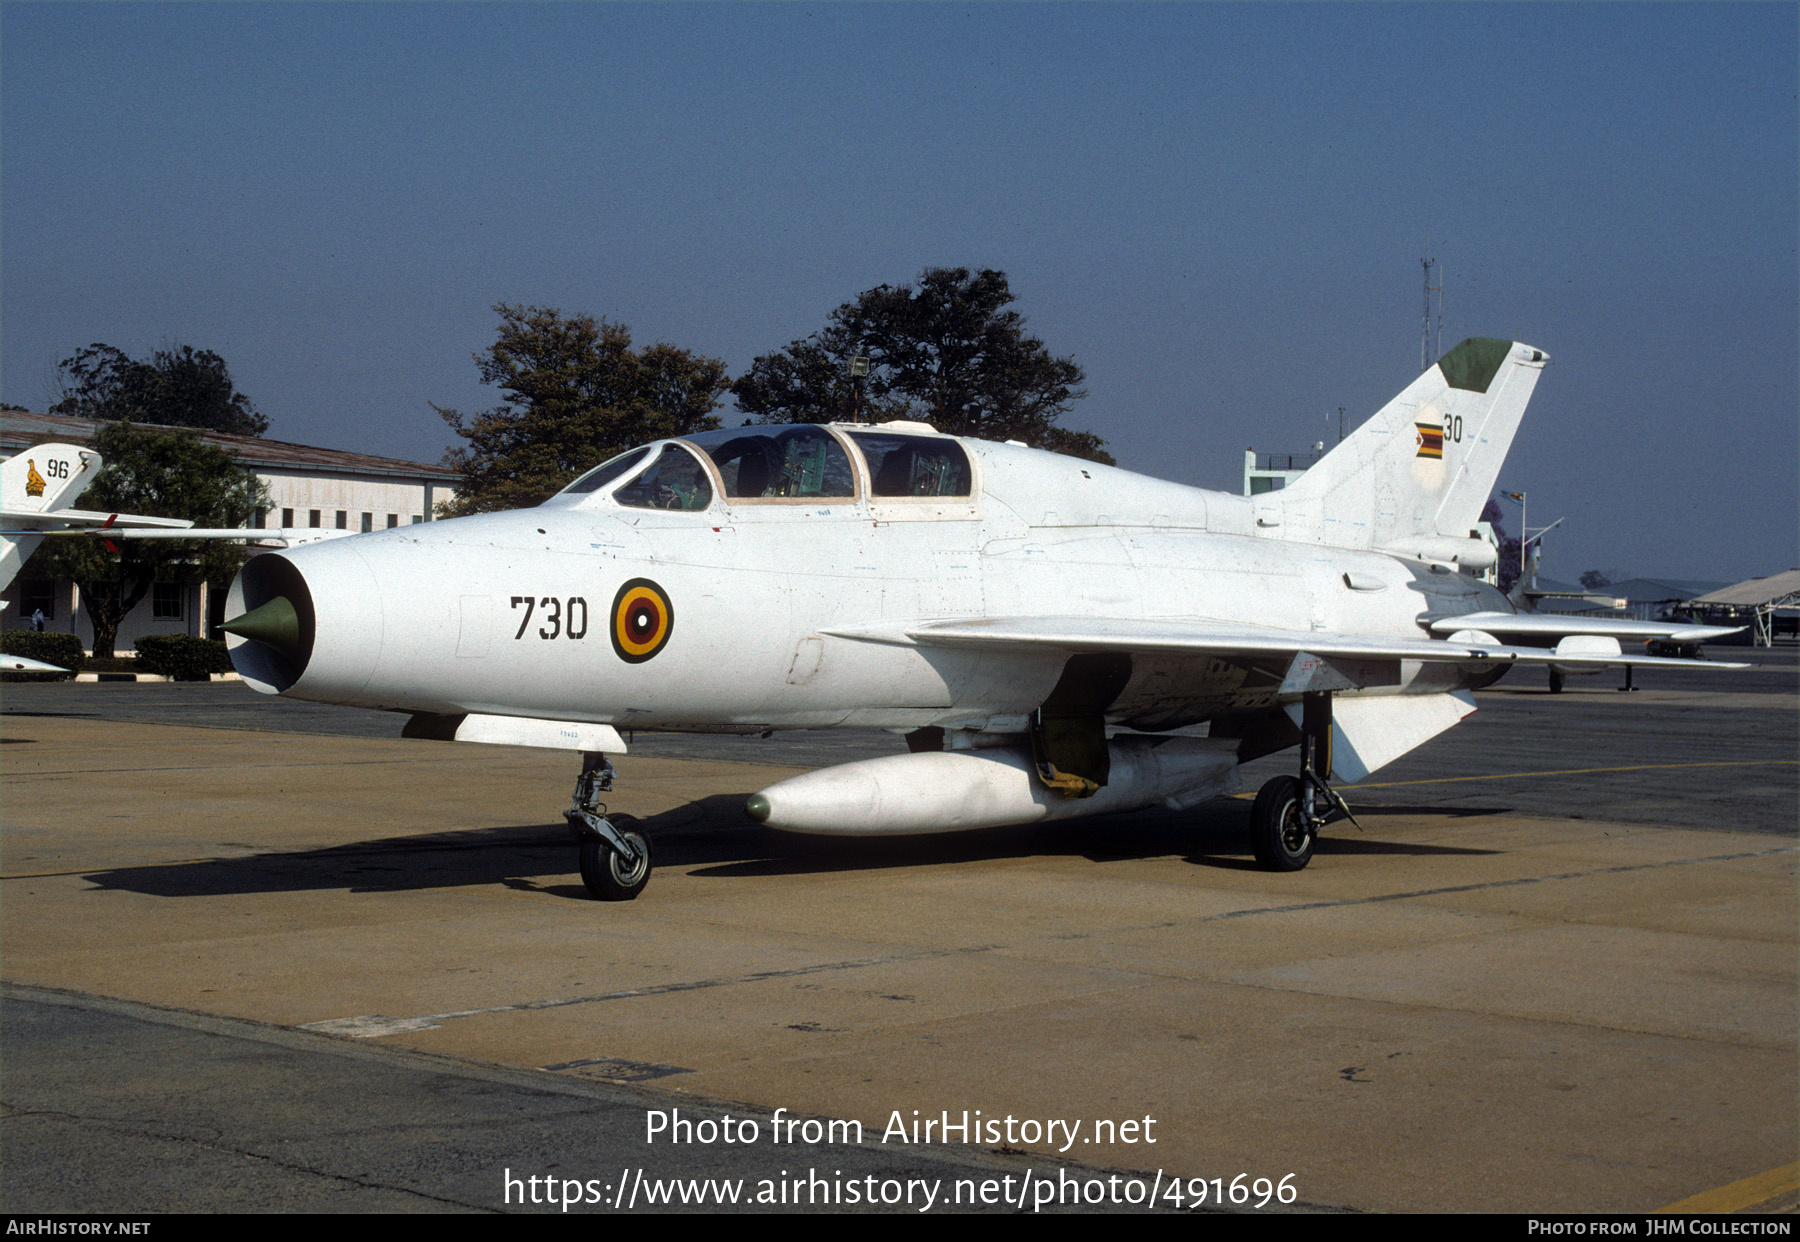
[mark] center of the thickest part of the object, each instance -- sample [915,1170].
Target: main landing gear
[1289,811]
[615,862]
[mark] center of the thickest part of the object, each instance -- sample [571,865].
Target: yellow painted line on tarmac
[1740,1195]
[1502,776]
[1636,767]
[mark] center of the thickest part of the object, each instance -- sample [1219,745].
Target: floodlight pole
[1527,539]
[1524,542]
[859,367]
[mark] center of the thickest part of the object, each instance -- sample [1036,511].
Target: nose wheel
[607,873]
[615,861]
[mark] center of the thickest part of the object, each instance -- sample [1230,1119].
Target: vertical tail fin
[45,477]
[34,483]
[1419,472]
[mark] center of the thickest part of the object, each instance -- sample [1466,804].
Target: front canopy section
[675,480]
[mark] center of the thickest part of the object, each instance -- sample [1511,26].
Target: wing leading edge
[1201,637]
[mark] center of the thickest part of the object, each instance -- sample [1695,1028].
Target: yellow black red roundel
[642,620]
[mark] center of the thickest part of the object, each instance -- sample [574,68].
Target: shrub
[181,657]
[63,649]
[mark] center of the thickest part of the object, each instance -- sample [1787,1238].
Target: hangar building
[1769,606]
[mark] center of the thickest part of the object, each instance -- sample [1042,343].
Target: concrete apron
[1481,1012]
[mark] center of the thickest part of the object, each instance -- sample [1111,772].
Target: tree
[161,474]
[948,352]
[576,394]
[174,387]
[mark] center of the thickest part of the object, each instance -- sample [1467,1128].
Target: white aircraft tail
[1415,477]
[33,482]
[45,477]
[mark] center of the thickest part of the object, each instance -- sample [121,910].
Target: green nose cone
[275,623]
[757,808]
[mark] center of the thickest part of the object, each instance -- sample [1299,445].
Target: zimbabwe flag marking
[1430,440]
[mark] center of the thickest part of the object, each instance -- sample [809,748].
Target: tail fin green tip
[1473,364]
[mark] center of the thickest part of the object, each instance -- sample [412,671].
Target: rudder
[36,481]
[1421,470]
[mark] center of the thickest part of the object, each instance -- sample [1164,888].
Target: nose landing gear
[1289,811]
[615,862]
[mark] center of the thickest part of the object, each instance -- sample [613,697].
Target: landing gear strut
[615,863]
[1289,811]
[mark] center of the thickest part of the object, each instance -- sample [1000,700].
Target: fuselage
[789,611]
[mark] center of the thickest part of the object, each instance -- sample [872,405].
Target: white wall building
[307,486]
[1276,471]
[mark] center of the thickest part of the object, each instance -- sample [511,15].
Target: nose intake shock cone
[276,623]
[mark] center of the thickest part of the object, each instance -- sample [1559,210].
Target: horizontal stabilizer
[169,528]
[1554,625]
[24,664]
[34,523]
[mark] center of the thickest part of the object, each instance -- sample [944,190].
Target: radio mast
[1430,348]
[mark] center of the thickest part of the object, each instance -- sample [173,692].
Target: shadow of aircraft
[713,837]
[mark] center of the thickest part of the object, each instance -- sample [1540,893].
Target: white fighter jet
[38,482]
[1054,638]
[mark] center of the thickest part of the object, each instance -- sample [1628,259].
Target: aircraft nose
[311,613]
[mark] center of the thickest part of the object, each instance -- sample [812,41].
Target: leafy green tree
[948,352]
[576,393]
[175,387]
[161,474]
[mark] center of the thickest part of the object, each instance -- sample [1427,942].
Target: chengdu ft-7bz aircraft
[1046,632]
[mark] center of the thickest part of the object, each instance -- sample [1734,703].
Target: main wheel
[607,876]
[1279,833]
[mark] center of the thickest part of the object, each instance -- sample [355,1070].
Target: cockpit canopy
[675,480]
[902,465]
[794,463]
[605,473]
[773,462]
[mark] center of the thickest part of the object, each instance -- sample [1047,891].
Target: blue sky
[1218,210]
